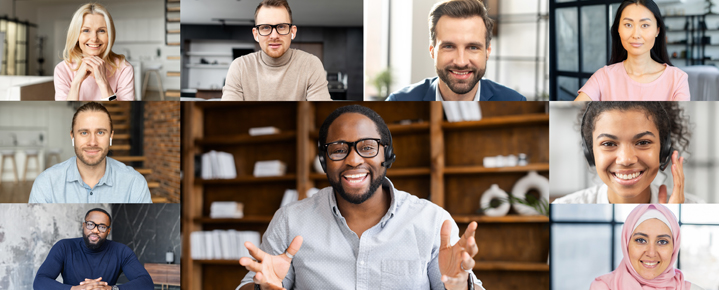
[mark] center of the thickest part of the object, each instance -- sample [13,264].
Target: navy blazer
[425,91]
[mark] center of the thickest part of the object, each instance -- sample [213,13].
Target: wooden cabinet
[436,160]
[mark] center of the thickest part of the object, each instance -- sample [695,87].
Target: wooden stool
[156,71]
[31,154]
[53,152]
[4,155]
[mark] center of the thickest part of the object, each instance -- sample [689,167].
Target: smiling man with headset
[361,232]
[91,176]
[277,72]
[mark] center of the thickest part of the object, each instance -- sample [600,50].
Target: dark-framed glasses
[266,29]
[91,226]
[367,148]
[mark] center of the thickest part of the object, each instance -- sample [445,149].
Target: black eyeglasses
[266,29]
[367,148]
[91,226]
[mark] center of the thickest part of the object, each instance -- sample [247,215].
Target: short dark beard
[374,185]
[78,153]
[90,246]
[443,74]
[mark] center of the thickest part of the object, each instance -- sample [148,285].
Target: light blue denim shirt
[62,184]
[400,252]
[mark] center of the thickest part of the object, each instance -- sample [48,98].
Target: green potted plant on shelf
[381,82]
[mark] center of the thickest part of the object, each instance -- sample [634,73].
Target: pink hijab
[626,278]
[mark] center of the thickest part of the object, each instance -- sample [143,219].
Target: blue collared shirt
[62,183]
[400,252]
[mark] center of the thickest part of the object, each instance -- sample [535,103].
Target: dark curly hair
[385,135]
[677,124]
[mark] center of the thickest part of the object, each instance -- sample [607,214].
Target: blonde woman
[90,70]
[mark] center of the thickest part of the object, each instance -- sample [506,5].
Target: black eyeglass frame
[87,226]
[274,27]
[353,145]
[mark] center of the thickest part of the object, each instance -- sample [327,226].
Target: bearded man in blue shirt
[361,232]
[91,176]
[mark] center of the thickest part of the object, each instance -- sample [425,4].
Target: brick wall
[162,147]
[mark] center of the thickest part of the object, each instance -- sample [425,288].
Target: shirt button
[90,193]
[361,262]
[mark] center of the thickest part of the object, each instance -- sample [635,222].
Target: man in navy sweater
[92,262]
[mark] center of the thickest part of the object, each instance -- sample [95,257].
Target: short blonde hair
[73,52]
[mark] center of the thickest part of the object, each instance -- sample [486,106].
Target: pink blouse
[612,83]
[122,82]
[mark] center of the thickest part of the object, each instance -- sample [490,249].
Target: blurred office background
[36,135]
[398,45]
[570,171]
[581,43]
[28,232]
[34,34]
[215,32]
[586,243]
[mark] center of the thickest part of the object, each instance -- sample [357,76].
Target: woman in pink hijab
[650,244]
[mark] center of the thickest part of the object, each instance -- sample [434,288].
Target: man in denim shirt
[361,232]
[91,177]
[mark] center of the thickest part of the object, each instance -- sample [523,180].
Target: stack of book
[218,165]
[226,209]
[269,168]
[462,111]
[222,245]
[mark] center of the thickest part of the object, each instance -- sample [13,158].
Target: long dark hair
[659,51]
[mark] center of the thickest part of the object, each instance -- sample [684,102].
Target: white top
[695,287]
[598,194]
[438,95]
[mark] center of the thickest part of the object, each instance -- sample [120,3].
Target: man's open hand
[270,270]
[456,261]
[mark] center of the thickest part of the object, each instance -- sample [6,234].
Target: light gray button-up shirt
[400,252]
[62,183]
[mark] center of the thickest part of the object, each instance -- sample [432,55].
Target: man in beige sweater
[276,73]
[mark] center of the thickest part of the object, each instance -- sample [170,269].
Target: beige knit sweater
[295,76]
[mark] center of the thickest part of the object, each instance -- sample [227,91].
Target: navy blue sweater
[76,262]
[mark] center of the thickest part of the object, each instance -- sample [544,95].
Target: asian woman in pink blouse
[90,70]
[639,68]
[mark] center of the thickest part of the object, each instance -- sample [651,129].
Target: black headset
[665,152]
[389,156]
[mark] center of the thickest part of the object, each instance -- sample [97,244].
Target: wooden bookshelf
[436,160]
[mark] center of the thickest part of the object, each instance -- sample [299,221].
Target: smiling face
[275,44]
[460,54]
[638,29]
[95,238]
[355,178]
[626,153]
[93,35]
[650,248]
[92,137]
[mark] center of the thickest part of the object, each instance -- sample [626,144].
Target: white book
[216,245]
[243,252]
[225,243]
[269,168]
[232,239]
[209,253]
[206,166]
[229,170]
[290,196]
[258,131]
[454,115]
[464,110]
[476,112]
[197,248]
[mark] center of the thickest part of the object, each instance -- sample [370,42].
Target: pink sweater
[612,83]
[122,82]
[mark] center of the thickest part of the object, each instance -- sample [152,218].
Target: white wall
[55,118]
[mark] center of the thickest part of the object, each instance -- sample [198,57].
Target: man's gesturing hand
[455,262]
[270,270]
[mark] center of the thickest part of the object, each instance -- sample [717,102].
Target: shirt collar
[392,206]
[73,173]
[277,62]
[438,95]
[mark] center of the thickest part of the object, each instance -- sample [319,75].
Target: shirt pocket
[404,274]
